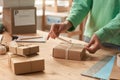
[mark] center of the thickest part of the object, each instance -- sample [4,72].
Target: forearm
[79,10]
[110,30]
[68,24]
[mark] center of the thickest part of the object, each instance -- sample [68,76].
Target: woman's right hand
[56,29]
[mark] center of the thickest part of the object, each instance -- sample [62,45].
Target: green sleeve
[110,30]
[79,10]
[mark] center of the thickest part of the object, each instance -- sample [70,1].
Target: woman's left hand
[94,44]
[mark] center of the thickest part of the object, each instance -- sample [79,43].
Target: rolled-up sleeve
[110,30]
[79,10]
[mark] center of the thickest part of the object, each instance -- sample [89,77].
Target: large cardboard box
[69,51]
[21,65]
[16,3]
[20,20]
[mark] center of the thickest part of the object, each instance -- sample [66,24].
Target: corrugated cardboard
[16,3]
[69,51]
[20,20]
[21,65]
[24,50]
[34,48]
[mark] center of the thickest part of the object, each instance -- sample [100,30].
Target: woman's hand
[56,29]
[94,44]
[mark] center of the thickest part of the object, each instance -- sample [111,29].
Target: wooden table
[55,69]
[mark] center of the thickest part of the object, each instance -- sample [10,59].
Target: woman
[103,23]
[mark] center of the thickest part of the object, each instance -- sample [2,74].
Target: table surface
[55,69]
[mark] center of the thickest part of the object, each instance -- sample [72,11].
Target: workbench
[55,69]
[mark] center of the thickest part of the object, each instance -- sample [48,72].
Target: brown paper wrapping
[24,50]
[21,65]
[69,51]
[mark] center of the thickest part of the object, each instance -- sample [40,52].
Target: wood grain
[55,69]
[115,75]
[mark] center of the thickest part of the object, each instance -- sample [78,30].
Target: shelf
[58,12]
[58,5]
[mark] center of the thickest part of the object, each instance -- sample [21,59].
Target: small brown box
[21,65]
[20,20]
[23,50]
[34,49]
[69,51]
[36,63]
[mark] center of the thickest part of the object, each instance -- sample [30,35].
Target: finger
[48,37]
[90,43]
[54,35]
[93,48]
[54,31]
[51,34]
[60,29]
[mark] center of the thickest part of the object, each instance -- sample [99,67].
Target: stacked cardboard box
[69,51]
[24,50]
[21,65]
[24,58]
[19,16]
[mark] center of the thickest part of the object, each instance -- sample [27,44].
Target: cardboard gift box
[20,20]
[21,65]
[69,51]
[16,3]
[24,50]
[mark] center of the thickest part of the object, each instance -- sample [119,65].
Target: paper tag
[24,17]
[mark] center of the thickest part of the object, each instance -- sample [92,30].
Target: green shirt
[103,20]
